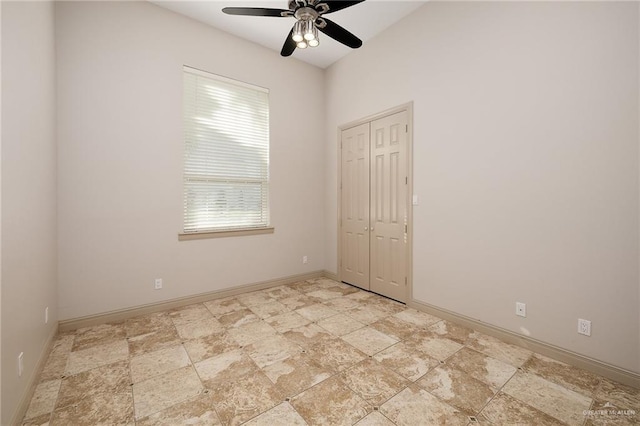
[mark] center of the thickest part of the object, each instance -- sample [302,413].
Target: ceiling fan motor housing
[313,8]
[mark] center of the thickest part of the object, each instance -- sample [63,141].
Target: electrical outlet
[521,309]
[305,259]
[584,327]
[46,315]
[158,283]
[20,364]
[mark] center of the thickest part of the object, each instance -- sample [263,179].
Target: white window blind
[226,157]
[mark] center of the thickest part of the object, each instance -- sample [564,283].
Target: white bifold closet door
[374,193]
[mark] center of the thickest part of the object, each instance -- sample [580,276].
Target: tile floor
[316,352]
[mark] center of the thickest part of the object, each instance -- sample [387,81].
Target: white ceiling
[365,20]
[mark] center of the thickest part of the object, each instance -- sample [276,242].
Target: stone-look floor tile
[497,349]
[254,298]
[245,398]
[109,380]
[296,374]
[550,398]
[197,411]
[457,388]
[360,295]
[58,357]
[209,346]
[330,402]
[89,337]
[610,414]
[452,331]
[395,327]
[281,292]
[420,319]
[415,406]
[375,419]
[190,313]
[322,282]
[198,329]
[153,364]
[570,377]
[504,410]
[226,367]
[163,391]
[104,409]
[309,335]
[238,318]
[303,286]
[283,414]
[316,312]
[390,307]
[340,324]
[44,399]
[297,302]
[488,370]
[288,321]
[433,345]
[343,304]
[373,382]
[345,289]
[335,355]
[219,307]
[269,309]
[368,340]
[274,349]
[99,396]
[145,324]
[42,420]
[408,363]
[96,385]
[249,333]
[325,294]
[366,314]
[96,356]
[153,341]
[621,396]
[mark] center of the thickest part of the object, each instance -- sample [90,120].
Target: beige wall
[28,193]
[120,159]
[525,162]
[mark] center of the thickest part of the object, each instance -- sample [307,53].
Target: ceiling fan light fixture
[310,31]
[302,44]
[297,32]
[313,43]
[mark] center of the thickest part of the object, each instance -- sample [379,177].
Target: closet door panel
[354,193]
[388,205]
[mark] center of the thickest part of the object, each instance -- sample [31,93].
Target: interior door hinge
[406,128]
[405,229]
[406,180]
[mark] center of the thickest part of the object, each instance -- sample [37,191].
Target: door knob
[366,228]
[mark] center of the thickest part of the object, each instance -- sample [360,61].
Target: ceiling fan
[309,19]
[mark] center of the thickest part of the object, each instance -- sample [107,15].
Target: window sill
[224,233]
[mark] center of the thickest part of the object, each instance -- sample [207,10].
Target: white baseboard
[123,314]
[25,400]
[612,372]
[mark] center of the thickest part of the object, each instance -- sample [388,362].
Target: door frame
[408,107]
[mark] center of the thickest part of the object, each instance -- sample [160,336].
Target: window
[226,156]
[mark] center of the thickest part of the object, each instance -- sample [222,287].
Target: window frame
[265,209]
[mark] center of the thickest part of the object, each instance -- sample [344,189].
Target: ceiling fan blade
[335,6]
[338,33]
[289,45]
[256,11]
